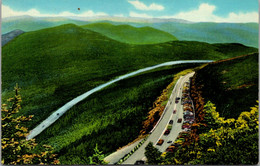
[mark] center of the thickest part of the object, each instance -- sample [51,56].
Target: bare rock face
[10,36]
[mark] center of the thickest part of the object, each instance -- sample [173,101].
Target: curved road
[58,113]
[162,124]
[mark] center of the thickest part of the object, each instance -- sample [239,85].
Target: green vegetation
[130,34]
[97,158]
[152,154]
[232,84]
[106,117]
[16,150]
[57,64]
[230,141]
[132,151]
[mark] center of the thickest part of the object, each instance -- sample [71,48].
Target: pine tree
[152,154]
[15,148]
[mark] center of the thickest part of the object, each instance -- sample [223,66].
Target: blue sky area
[192,10]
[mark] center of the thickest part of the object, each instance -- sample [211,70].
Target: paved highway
[62,110]
[164,121]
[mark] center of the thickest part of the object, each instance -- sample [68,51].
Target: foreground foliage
[231,84]
[152,154]
[15,148]
[224,141]
[97,158]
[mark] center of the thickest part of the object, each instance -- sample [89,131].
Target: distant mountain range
[244,33]
[102,18]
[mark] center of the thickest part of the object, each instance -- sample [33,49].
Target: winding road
[58,113]
[164,121]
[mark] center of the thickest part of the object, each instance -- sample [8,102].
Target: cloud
[242,17]
[205,13]
[141,6]
[8,12]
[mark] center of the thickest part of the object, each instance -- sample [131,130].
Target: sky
[190,10]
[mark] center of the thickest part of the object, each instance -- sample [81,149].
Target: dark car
[139,162]
[167,132]
[174,111]
[171,122]
[179,120]
[169,142]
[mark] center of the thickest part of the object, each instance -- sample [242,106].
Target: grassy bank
[231,84]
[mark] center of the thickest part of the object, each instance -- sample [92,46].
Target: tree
[15,148]
[152,154]
[97,158]
[233,141]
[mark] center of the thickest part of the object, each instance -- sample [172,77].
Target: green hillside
[244,33]
[54,65]
[111,118]
[232,85]
[130,34]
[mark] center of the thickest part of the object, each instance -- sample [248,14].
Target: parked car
[175,144]
[179,142]
[190,118]
[188,113]
[179,120]
[169,127]
[171,122]
[169,142]
[174,111]
[160,142]
[169,150]
[188,121]
[180,139]
[186,127]
[167,132]
[139,162]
